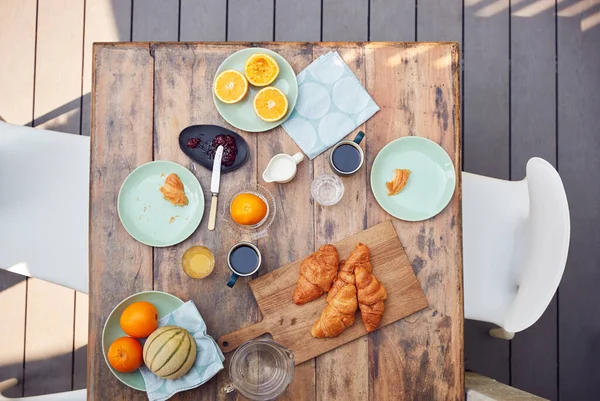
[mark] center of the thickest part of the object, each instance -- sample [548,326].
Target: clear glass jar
[260,370]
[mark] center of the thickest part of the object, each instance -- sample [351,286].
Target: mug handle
[232,280]
[359,137]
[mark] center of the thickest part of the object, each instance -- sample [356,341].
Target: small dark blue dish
[199,144]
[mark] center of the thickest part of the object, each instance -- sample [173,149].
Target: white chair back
[515,243]
[44,204]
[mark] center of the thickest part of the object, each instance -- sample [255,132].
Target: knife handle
[212,217]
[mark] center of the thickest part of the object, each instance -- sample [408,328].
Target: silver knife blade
[216,172]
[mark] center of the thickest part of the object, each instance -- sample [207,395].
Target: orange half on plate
[261,69]
[231,86]
[270,104]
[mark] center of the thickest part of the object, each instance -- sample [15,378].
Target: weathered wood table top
[144,94]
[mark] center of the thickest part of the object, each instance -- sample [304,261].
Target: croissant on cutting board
[359,256]
[338,314]
[316,274]
[371,293]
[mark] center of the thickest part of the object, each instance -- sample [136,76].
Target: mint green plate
[430,185]
[148,216]
[164,304]
[241,115]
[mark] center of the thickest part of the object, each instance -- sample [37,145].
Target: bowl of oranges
[129,323]
[255,89]
[251,209]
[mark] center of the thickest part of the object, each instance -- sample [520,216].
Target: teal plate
[430,185]
[242,115]
[164,304]
[150,218]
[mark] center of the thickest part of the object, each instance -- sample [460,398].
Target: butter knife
[214,187]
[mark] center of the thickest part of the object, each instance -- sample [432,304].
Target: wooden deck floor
[531,87]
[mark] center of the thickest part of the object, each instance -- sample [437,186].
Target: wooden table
[144,94]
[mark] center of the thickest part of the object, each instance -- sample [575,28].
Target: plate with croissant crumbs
[160,203]
[413,178]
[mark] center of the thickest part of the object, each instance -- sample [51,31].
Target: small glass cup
[327,190]
[260,370]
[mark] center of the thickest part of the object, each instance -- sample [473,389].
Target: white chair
[78,395]
[44,206]
[515,245]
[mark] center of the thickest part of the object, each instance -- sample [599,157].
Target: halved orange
[261,69]
[231,86]
[270,104]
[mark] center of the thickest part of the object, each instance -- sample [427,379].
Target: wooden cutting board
[290,324]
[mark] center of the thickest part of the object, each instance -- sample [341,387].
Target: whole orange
[248,209]
[125,354]
[139,319]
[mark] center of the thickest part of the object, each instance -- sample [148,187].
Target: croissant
[173,190]
[338,314]
[359,256]
[316,274]
[371,293]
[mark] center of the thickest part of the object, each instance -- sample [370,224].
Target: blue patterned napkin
[209,358]
[331,104]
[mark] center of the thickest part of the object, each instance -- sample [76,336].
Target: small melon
[170,352]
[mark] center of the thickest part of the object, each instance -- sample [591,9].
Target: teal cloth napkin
[331,104]
[209,358]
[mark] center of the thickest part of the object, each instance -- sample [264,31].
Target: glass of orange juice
[198,262]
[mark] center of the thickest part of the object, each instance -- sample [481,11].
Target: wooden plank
[250,20]
[122,113]
[204,20]
[292,199]
[16,106]
[49,333]
[105,21]
[336,378]
[58,68]
[485,354]
[80,340]
[425,350]
[486,142]
[345,20]
[481,388]
[486,114]
[534,358]
[532,83]
[298,20]
[579,164]
[183,83]
[18,22]
[48,338]
[392,20]
[13,299]
[155,20]
[439,21]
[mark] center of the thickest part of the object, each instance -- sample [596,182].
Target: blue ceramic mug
[347,157]
[244,259]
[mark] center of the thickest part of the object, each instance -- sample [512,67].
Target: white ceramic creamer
[282,168]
